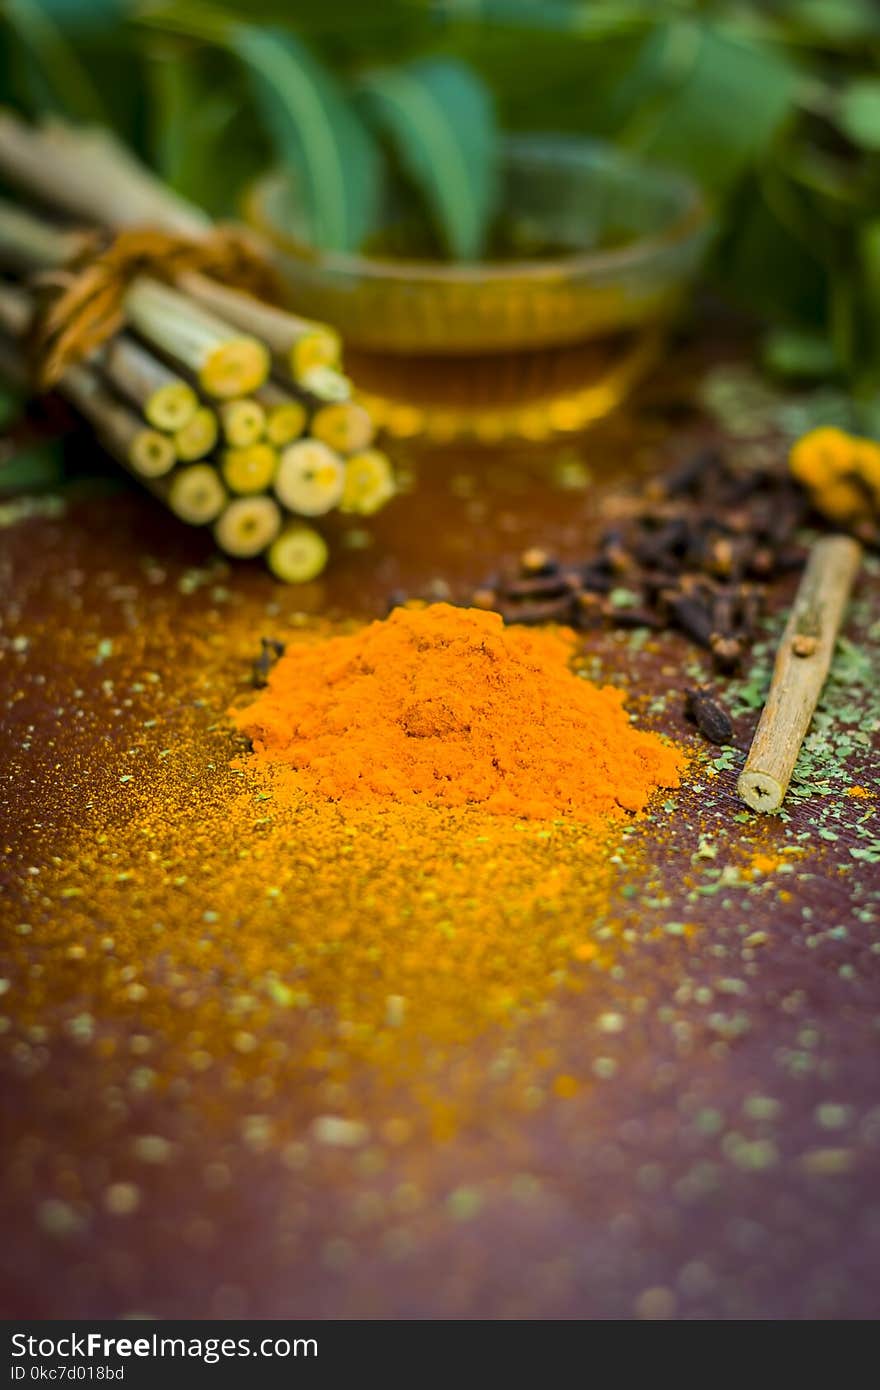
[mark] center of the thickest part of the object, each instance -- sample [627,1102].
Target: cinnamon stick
[802,664]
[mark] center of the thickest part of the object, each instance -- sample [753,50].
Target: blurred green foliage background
[774,107]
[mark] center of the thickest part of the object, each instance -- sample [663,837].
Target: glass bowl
[523,347]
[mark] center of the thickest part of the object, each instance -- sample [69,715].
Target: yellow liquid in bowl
[509,349]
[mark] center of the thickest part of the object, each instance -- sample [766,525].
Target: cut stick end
[345,426]
[198,436]
[760,791]
[172,406]
[251,469]
[322,347]
[310,478]
[326,384]
[243,422]
[247,526]
[298,555]
[235,368]
[152,454]
[196,495]
[286,423]
[369,483]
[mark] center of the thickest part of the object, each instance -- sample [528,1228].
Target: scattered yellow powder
[765,862]
[277,951]
[566,1086]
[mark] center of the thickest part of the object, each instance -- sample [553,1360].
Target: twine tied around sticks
[81,305]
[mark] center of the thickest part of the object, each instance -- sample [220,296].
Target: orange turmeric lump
[443,706]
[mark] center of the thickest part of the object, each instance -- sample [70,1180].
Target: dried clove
[271,652]
[636,617]
[616,555]
[536,562]
[762,562]
[594,580]
[692,617]
[539,586]
[484,598]
[691,474]
[556,610]
[751,606]
[724,612]
[713,722]
[591,610]
[726,652]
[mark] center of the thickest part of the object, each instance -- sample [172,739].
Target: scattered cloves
[694,553]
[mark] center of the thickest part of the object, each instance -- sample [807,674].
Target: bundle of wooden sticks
[234,412]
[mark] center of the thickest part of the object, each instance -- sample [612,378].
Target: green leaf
[205,141]
[859,113]
[832,21]
[438,116]
[869,257]
[729,99]
[843,319]
[868,415]
[767,266]
[869,240]
[34,469]
[84,16]
[559,16]
[48,45]
[10,406]
[790,352]
[570,82]
[317,135]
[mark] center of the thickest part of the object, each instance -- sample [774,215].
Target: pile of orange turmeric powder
[448,707]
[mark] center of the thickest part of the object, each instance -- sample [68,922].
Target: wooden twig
[227,363]
[369,483]
[166,400]
[243,421]
[146,452]
[30,243]
[345,426]
[13,369]
[15,311]
[310,478]
[251,469]
[298,555]
[299,343]
[197,438]
[802,664]
[90,175]
[286,417]
[247,526]
[195,494]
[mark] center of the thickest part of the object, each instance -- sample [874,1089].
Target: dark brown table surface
[720,1156]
